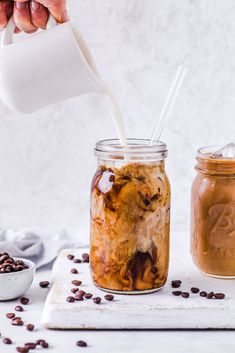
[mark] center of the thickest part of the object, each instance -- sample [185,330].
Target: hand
[31,15]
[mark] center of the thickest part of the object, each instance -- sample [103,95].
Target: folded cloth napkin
[33,245]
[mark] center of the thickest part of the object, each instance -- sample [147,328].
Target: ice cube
[227,151]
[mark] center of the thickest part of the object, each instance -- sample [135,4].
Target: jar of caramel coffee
[213,213]
[130,217]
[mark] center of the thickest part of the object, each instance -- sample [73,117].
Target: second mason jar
[130,217]
[213,213]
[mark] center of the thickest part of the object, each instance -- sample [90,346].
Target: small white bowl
[15,284]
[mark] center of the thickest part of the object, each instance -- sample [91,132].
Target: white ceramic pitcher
[45,68]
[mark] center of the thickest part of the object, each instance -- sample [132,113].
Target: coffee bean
[97,300]
[88,295]
[42,343]
[85,257]
[77,261]
[203,294]
[219,295]
[81,344]
[30,327]
[195,290]
[109,297]
[210,295]
[24,301]
[44,284]
[17,322]
[77,283]
[30,345]
[79,295]
[177,293]
[19,308]
[70,299]
[70,257]
[22,349]
[185,294]
[74,271]
[10,315]
[176,283]
[7,340]
[74,290]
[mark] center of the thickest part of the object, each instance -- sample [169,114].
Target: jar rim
[135,147]
[206,152]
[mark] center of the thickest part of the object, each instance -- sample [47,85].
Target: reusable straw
[168,105]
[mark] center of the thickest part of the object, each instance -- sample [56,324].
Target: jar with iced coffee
[130,217]
[213,212]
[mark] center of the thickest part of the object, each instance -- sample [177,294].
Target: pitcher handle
[8,32]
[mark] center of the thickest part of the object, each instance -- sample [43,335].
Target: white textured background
[46,159]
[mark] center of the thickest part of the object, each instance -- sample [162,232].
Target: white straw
[168,105]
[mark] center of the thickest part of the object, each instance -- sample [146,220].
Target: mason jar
[130,217]
[213,214]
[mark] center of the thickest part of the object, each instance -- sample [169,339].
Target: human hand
[31,15]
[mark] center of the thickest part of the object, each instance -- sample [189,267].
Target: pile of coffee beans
[8,264]
[211,295]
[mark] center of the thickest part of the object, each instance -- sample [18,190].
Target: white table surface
[107,341]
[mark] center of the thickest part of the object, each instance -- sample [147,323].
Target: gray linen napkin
[39,247]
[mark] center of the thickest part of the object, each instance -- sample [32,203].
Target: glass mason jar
[130,217]
[213,214]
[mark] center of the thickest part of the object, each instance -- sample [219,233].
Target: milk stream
[111,100]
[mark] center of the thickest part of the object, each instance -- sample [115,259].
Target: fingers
[39,15]
[57,8]
[22,17]
[6,9]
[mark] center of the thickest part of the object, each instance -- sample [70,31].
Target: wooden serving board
[159,310]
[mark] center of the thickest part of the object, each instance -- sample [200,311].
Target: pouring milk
[65,69]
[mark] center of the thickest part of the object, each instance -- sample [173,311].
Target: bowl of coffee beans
[16,276]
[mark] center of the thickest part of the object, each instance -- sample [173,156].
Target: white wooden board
[159,310]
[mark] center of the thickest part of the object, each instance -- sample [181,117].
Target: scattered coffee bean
[109,297]
[88,295]
[81,344]
[70,257]
[195,290]
[10,315]
[74,290]
[7,341]
[8,264]
[176,283]
[30,345]
[210,295]
[77,283]
[44,284]
[22,349]
[70,299]
[17,322]
[219,295]
[185,294]
[30,327]
[42,343]
[97,300]
[77,261]
[85,257]
[19,308]
[74,270]
[177,293]
[79,295]
[203,293]
[24,301]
